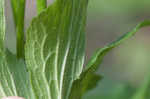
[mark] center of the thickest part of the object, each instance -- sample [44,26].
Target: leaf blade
[96,60]
[55,47]
[14,77]
[12,82]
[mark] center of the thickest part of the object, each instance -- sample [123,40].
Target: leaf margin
[98,56]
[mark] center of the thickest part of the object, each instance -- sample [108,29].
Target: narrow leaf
[55,48]
[96,60]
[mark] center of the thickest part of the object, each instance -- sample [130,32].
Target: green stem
[20,40]
[41,4]
[18,8]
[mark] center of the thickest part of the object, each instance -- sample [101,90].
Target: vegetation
[49,62]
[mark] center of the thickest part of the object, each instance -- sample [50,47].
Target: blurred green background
[126,68]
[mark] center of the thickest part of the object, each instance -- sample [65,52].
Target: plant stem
[41,4]
[18,8]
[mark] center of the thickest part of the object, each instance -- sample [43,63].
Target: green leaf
[54,49]
[2,25]
[96,60]
[13,74]
[18,8]
[41,5]
[107,90]
[14,78]
[144,90]
[81,86]
[2,35]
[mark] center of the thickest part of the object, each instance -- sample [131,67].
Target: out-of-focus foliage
[107,89]
[118,6]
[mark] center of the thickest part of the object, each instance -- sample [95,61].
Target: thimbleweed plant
[49,62]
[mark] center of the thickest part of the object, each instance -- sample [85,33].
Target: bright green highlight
[41,5]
